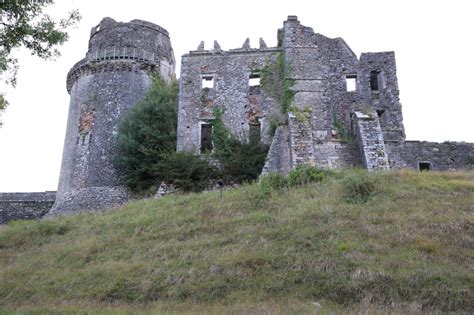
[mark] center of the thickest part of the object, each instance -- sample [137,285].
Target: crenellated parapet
[245,49]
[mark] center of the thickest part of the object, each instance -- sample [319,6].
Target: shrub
[273,181]
[304,174]
[186,171]
[358,186]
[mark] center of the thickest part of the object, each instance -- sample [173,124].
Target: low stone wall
[435,156]
[20,206]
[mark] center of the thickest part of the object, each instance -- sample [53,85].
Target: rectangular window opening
[351,83]
[255,132]
[424,166]
[254,80]
[207,82]
[374,80]
[206,138]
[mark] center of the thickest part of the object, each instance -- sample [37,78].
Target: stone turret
[115,74]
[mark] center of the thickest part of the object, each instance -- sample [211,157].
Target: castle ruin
[344,112]
[310,98]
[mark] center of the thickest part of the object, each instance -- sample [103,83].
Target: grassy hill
[399,241]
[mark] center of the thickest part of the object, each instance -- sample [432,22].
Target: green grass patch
[263,248]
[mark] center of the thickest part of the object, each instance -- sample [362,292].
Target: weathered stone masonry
[345,110]
[20,206]
[114,75]
[229,72]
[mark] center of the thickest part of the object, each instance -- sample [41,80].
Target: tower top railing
[110,53]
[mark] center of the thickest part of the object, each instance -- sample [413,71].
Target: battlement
[245,49]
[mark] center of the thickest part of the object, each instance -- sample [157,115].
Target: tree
[146,134]
[23,23]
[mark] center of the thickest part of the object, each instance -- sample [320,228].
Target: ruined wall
[21,206]
[319,66]
[114,76]
[229,72]
[379,88]
[370,141]
[278,158]
[440,156]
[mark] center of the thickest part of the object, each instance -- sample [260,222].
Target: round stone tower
[115,74]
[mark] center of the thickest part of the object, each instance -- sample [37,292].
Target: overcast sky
[432,40]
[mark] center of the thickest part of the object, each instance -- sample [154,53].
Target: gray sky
[432,41]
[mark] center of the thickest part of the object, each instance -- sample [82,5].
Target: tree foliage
[23,23]
[146,134]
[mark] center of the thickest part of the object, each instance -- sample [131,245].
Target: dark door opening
[424,166]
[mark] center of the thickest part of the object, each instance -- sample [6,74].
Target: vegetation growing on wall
[346,135]
[240,162]
[275,82]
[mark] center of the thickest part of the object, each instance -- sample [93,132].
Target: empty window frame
[375,80]
[351,82]
[206,138]
[207,82]
[254,79]
[255,132]
[424,166]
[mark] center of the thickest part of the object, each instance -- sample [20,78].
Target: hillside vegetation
[401,241]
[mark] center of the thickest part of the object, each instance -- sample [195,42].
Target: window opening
[206,138]
[207,82]
[255,132]
[351,83]
[374,80]
[254,79]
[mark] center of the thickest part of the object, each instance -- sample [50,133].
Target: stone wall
[440,156]
[378,86]
[319,66]
[301,139]
[278,158]
[320,128]
[370,141]
[228,74]
[20,206]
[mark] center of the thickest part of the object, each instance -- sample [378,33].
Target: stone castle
[341,110]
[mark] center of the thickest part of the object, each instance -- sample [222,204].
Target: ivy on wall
[275,82]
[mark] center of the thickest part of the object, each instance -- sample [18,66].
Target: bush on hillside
[358,186]
[186,171]
[304,174]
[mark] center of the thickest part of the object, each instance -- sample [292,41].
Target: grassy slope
[410,247]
